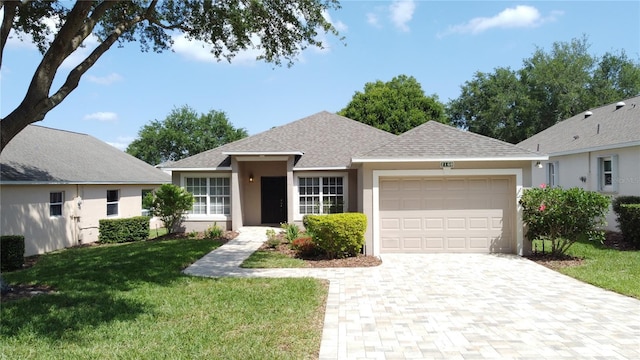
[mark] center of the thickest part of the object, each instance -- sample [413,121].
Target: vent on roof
[576,137]
[620,104]
[587,114]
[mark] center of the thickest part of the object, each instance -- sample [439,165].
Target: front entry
[274,199]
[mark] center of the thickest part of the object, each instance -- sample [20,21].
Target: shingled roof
[325,140]
[433,141]
[610,126]
[43,155]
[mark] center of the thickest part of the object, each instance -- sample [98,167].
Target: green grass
[607,268]
[271,259]
[131,301]
[154,233]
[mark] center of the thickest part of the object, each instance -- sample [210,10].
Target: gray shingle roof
[41,154]
[327,140]
[435,141]
[607,127]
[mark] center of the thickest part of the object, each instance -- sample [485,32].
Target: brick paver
[454,306]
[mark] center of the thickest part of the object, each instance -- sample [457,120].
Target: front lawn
[607,268]
[132,301]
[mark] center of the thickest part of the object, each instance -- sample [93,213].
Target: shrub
[305,246]
[338,235]
[563,216]
[291,231]
[170,203]
[272,238]
[214,231]
[123,230]
[629,223]
[11,252]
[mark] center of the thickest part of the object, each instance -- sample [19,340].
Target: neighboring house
[596,150]
[56,185]
[432,189]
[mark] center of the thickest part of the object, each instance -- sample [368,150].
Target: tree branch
[7,23]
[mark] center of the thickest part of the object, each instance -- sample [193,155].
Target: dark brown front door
[274,199]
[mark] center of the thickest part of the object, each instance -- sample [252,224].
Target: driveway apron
[454,306]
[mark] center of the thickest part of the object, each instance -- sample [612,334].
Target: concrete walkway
[454,306]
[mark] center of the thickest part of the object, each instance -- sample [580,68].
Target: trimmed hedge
[620,200]
[11,252]
[124,230]
[629,223]
[338,235]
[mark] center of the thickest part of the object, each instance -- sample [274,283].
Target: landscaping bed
[320,261]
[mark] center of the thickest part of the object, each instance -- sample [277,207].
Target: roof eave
[71,182]
[220,168]
[596,148]
[410,160]
[261,153]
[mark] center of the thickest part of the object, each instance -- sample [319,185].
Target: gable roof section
[607,128]
[43,155]
[325,140]
[433,141]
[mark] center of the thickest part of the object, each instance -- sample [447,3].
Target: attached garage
[474,214]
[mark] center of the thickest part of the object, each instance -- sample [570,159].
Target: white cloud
[201,51]
[401,12]
[102,116]
[373,20]
[105,80]
[339,25]
[521,16]
[122,142]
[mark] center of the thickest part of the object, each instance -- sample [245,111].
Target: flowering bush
[563,216]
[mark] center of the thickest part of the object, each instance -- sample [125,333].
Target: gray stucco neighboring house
[597,150]
[432,189]
[56,185]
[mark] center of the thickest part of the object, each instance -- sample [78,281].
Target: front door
[274,199]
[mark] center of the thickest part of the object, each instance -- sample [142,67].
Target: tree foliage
[512,105]
[395,106]
[170,203]
[280,29]
[183,133]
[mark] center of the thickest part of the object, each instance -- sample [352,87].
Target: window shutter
[556,173]
[600,172]
[614,173]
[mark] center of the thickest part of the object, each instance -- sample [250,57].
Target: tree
[280,29]
[170,203]
[395,106]
[181,134]
[550,87]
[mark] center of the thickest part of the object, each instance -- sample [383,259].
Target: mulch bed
[321,261]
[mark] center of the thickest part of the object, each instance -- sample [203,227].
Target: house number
[446,164]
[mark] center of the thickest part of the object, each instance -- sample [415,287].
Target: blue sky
[442,44]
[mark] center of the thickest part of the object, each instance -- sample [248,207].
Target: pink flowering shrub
[563,216]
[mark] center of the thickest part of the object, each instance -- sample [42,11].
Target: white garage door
[451,214]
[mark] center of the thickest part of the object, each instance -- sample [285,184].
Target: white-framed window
[56,201]
[211,195]
[322,194]
[608,173]
[552,174]
[113,198]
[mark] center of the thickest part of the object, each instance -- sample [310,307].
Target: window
[113,196]
[56,199]
[552,174]
[607,173]
[145,192]
[321,195]
[211,195]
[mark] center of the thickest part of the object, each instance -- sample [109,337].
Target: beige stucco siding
[571,168]
[25,211]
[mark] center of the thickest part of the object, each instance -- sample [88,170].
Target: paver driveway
[466,306]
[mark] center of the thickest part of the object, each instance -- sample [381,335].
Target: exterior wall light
[539,165]
[250,178]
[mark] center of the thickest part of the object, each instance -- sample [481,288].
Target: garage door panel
[473,214]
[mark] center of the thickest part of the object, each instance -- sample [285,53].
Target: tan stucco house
[432,189]
[597,150]
[56,185]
